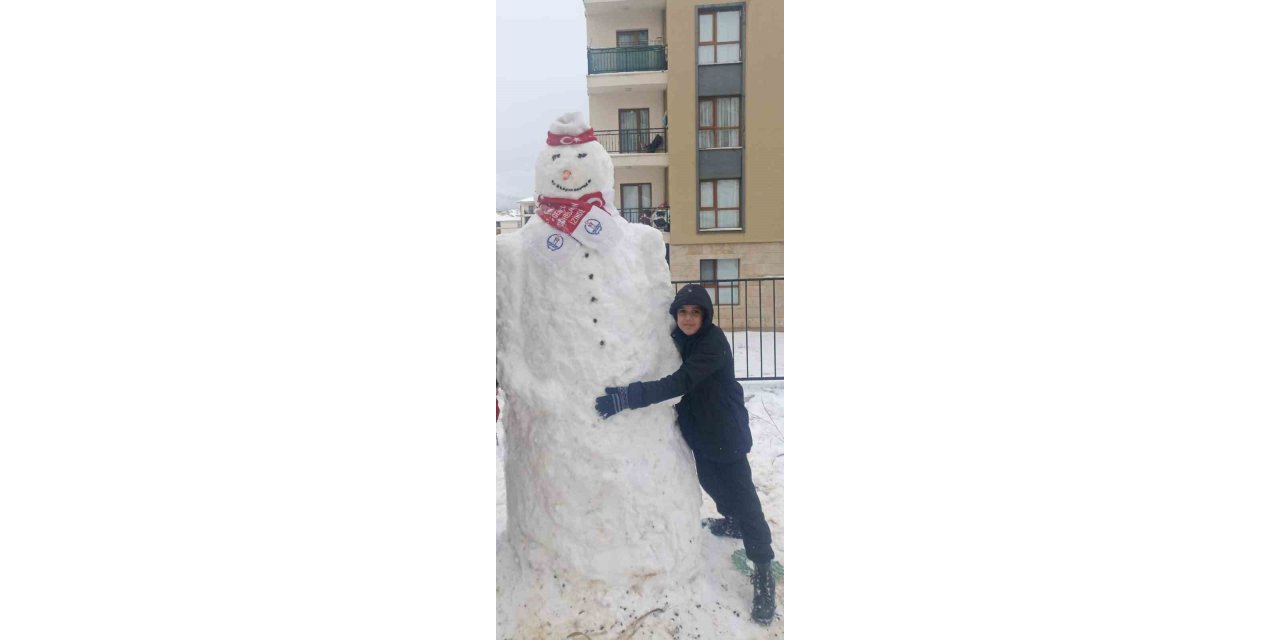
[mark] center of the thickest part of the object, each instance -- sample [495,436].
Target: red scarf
[565,213]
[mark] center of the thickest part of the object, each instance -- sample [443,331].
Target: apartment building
[508,221]
[687,98]
[527,208]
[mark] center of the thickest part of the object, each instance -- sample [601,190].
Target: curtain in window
[633,38]
[706,138]
[728,125]
[727,194]
[707,270]
[722,116]
[634,125]
[720,270]
[707,200]
[727,269]
[630,201]
[727,202]
[635,201]
[728,53]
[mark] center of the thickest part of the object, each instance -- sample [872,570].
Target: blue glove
[617,399]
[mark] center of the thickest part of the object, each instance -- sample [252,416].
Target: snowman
[598,513]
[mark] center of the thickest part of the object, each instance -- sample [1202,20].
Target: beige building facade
[688,95]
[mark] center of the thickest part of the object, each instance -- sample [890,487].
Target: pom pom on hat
[568,124]
[570,128]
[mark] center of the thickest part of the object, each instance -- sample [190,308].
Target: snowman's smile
[562,188]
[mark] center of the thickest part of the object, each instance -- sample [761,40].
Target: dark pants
[730,487]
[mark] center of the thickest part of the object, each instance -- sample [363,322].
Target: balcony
[659,219]
[635,147]
[613,7]
[627,59]
[633,140]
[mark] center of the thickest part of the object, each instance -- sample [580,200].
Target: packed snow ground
[727,592]
[757,354]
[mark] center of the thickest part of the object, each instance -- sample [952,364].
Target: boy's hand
[617,399]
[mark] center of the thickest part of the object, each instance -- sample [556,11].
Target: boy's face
[689,319]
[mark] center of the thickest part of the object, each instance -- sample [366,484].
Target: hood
[694,294]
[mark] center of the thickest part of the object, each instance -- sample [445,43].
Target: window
[720,36]
[719,124]
[718,204]
[637,38]
[714,276]
[636,199]
[633,130]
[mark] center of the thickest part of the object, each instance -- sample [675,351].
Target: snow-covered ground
[726,601]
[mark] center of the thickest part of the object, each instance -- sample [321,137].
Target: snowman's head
[573,164]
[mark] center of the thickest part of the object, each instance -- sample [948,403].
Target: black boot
[763,604]
[725,527]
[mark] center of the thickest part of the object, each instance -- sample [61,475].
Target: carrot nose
[566,175]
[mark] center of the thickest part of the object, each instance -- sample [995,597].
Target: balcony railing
[658,218]
[620,59]
[633,140]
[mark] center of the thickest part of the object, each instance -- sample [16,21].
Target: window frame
[715,202]
[715,129]
[634,140]
[714,287]
[641,188]
[617,37]
[714,42]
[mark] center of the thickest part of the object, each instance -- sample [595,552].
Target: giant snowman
[602,516]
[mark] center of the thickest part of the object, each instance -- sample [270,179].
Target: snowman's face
[572,171]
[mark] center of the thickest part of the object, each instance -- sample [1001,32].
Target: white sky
[542,67]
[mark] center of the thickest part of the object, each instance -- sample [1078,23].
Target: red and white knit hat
[569,128]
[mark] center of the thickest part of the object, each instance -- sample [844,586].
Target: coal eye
[554,156]
[582,155]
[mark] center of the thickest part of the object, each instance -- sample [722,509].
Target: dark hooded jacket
[711,413]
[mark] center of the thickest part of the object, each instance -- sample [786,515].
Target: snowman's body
[599,504]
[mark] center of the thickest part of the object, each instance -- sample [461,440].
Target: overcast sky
[542,67]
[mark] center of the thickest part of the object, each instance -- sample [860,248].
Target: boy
[713,421]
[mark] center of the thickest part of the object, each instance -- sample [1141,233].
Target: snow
[757,354]
[723,593]
[599,520]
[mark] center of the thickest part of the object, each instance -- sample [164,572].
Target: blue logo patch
[555,241]
[593,226]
